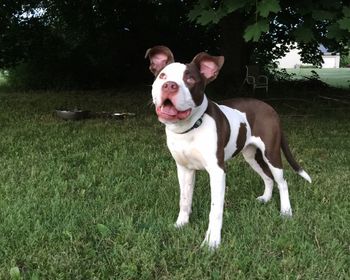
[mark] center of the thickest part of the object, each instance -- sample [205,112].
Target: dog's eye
[190,80]
[162,76]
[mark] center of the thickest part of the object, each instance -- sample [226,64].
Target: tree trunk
[236,51]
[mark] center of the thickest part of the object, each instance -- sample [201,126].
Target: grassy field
[97,199]
[335,77]
[2,78]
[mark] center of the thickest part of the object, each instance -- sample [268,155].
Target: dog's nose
[170,87]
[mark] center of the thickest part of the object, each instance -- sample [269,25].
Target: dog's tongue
[169,112]
[169,109]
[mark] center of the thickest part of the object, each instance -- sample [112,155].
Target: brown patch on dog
[223,131]
[195,83]
[241,138]
[264,123]
[259,159]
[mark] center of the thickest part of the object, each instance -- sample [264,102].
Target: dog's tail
[288,154]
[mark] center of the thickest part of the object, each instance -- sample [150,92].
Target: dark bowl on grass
[75,114]
[121,116]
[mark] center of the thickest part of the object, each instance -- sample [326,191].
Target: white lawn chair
[255,79]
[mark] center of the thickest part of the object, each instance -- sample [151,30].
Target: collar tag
[196,125]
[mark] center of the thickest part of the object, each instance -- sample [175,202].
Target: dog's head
[178,89]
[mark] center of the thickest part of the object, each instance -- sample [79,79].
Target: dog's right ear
[159,57]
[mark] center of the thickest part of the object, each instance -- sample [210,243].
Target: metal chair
[255,79]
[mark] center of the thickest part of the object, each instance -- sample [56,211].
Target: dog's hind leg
[286,209]
[254,157]
[273,159]
[268,157]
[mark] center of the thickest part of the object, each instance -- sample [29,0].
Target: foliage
[314,81]
[283,22]
[100,44]
[89,44]
[3,75]
[283,79]
[309,16]
[345,60]
[97,199]
[281,75]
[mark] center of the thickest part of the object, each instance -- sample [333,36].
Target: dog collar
[196,125]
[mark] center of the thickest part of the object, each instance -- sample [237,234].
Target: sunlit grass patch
[336,77]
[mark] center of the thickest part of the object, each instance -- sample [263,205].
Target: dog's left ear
[159,57]
[209,66]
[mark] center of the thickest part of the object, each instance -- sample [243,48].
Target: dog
[202,135]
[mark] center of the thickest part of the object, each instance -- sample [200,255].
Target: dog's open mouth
[168,111]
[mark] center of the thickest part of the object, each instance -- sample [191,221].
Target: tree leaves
[331,14]
[346,11]
[204,17]
[231,6]
[334,32]
[323,15]
[205,13]
[304,34]
[254,31]
[344,23]
[265,7]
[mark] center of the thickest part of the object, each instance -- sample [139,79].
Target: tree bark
[237,52]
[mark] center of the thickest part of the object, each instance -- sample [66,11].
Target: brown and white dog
[202,135]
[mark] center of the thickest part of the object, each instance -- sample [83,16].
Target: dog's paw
[262,199]
[212,240]
[286,213]
[180,224]
[182,220]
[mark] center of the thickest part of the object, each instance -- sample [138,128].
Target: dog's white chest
[189,157]
[194,149]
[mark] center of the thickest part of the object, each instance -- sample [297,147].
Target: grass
[335,77]
[97,199]
[2,78]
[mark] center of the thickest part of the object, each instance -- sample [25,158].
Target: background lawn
[2,78]
[335,77]
[97,199]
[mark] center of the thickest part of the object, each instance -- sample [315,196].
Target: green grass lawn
[97,199]
[2,78]
[335,77]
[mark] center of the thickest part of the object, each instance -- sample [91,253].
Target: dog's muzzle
[167,110]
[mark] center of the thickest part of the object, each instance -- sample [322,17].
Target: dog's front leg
[217,190]
[186,181]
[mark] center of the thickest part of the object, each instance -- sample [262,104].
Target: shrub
[345,60]
[31,75]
